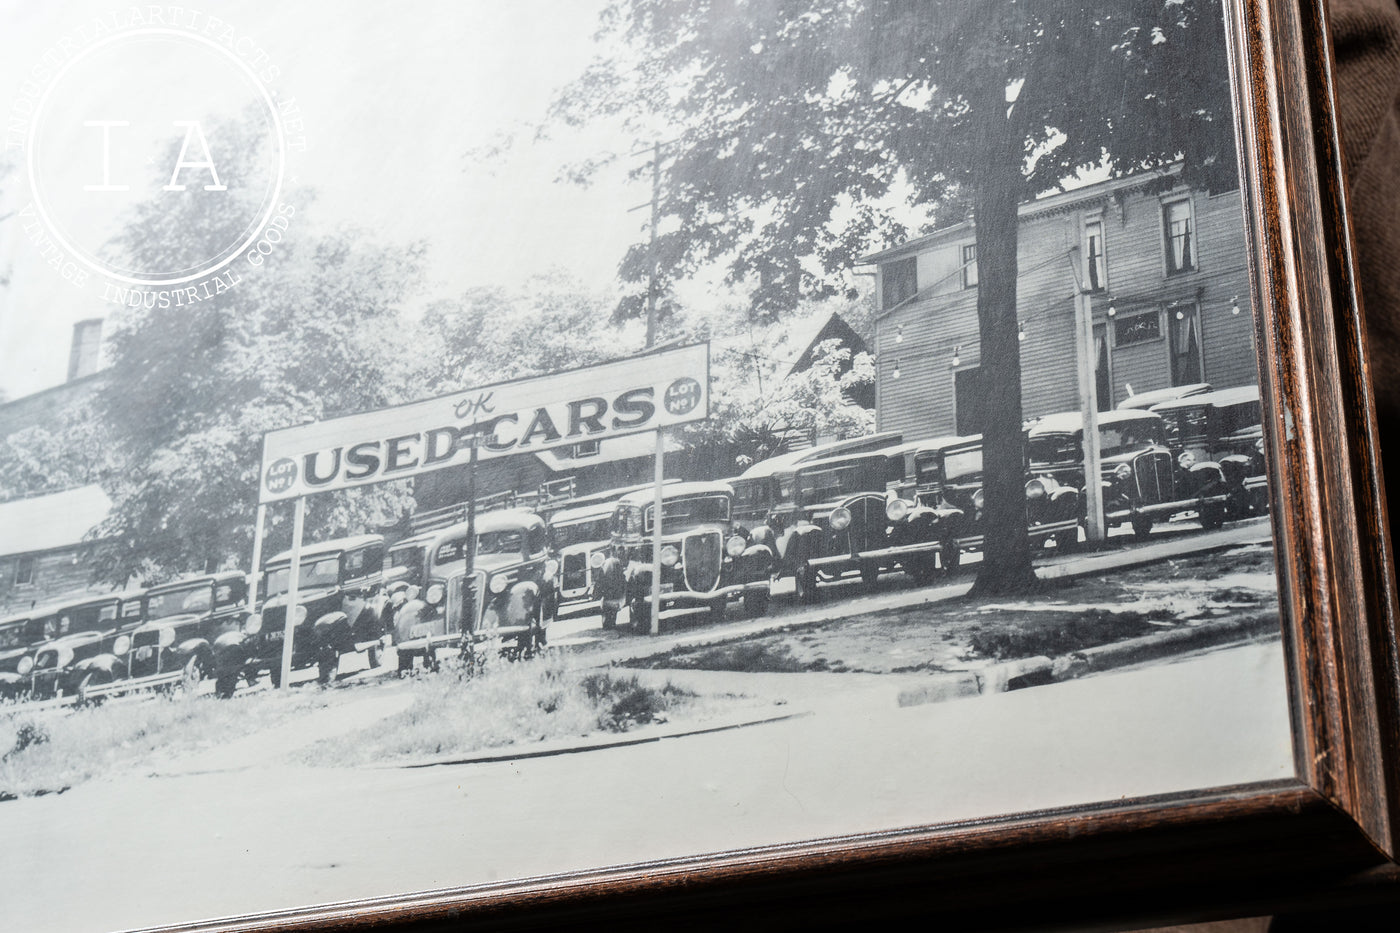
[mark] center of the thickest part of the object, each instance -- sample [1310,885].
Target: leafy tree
[803,132]
[192,389]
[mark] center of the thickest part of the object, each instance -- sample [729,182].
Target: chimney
[87,346]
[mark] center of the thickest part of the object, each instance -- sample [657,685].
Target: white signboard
[640,393]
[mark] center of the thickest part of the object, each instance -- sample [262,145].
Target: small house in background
[44,544]
[836,328]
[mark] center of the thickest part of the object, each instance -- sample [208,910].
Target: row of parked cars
[858,508]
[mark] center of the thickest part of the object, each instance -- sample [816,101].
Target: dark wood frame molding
[1237,850]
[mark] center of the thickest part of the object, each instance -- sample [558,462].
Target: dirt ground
[1070,615]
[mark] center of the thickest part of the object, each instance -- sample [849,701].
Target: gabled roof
[43,523]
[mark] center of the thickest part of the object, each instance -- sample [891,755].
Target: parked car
[757,490]
[514,571]
[949,476]
[1143,481]
[506,595]
[1224,426]
[581,539]
[706,558]
[18,634]
[173,644]
[73,631]
[1145,400]
[341,608]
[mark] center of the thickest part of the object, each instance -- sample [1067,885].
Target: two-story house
[1166,274]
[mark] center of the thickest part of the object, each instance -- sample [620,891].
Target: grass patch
[54,750]
[1056,633]
[525,701]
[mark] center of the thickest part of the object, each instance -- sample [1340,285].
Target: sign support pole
[293,585]
[259,524]
[1089,408]
[471,525]
[660,479]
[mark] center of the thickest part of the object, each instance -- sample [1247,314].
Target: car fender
[1236,468]
[407,616]
[803,542]
[521,601]
[763,535]
[757,562]
[12,685]
[1205,475]
[332,628]
[193,646]
[107,664]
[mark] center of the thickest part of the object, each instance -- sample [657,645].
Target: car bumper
[886,555]
[1038,534]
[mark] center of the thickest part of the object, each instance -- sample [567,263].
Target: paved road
[146,850]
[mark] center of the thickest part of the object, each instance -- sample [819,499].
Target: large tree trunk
[1006,558]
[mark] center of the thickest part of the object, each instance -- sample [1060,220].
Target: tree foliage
[802,133]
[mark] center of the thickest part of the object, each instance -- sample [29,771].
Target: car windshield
[821,485]
[752,494]
[508,541]
[692,510]
[315,572]
[406,556]
[13,635]
[1184,426]
[80,619]
[595,529]
[1231,419]
[177,602]
[963,466]
[1114,439]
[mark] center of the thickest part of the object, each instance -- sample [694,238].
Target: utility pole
[651,245]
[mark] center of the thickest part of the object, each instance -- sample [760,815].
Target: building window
[1095,269]
[967,401]
[969,266]
[1129,329]
[899,281]
[1185,339]
[24,570]
[1181,239]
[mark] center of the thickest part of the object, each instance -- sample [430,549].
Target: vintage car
[757,491]
[1224,426]
[73,631]
[706,559]
[827,518]
[1145,400]
[341,609]
[1142,481]
[948,472]
[174,644]
[507,592]
[18,634]
[582,537]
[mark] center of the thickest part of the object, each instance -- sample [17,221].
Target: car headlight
[977,500]
[735,546]
[897,509]
[499,583]
[300,615]
[436,592]
[669,556]
[1122,471]
[26,664]
[167,636]
[551,567]
[595,560]
[122,645]
[1035,489]
[1186,459]
[253,624]
[841,518]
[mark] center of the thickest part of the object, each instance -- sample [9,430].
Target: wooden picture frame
[1256,847]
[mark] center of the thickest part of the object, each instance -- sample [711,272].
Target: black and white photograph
[449,444]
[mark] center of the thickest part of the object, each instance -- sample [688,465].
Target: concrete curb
[590,744]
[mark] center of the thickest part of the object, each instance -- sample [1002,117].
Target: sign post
[258,525]
[1089,408]
[660,480]
[293,585]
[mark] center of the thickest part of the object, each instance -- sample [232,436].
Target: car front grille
[1154,476]
[702,555]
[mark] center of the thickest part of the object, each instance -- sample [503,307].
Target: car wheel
[90,680]
[1142,525]
[405,663]
[225,685]
[609,614]
[640,611]
[718,608]
[755,603]
[921,568]
[326,666]
[1212,516]
[950,555]
[805,582]
[192,675]
[372,655]
[1066,541]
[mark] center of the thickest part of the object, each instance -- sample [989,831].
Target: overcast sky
[394,97]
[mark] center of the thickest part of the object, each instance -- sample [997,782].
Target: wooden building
[1166,274]
[45,547]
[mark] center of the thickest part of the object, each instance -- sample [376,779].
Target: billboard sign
[628,396]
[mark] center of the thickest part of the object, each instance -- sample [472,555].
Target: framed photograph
[611,461]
